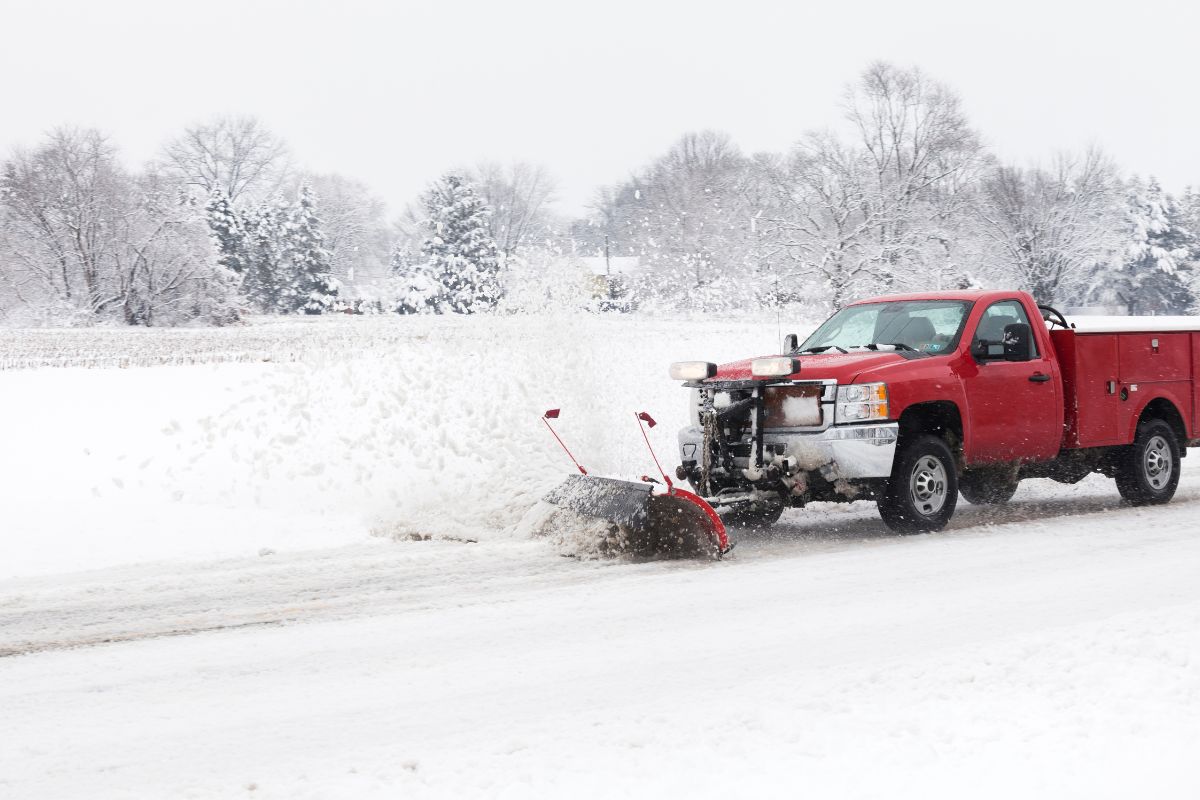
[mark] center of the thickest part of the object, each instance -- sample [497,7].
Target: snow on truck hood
[842,367]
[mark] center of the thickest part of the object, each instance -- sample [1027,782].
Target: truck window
[993,322]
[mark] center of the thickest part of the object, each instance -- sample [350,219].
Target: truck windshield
[927,326]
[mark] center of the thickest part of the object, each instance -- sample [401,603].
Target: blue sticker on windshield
[933,348]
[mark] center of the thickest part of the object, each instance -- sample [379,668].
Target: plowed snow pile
[413,427]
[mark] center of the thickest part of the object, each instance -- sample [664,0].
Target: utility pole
[608,284]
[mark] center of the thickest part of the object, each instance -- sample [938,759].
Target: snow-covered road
[1051,648]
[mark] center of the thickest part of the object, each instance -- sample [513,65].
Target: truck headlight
[692,370]
[861,402]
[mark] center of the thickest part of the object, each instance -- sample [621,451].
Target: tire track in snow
[42,647]
[171,599]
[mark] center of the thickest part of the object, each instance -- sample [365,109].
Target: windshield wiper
[897,345]
[822,349]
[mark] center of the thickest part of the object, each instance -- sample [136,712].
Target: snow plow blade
[674,523]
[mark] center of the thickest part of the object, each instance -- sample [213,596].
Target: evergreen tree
[1189,219]
[228,230]
[401,261]
[460,255]
[412,288]
[265,234]
[307,283]
[1151,277]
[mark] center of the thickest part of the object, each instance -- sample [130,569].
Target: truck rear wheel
[923,489]
[988,486]
[1148,469]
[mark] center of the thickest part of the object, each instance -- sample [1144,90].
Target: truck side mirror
[990,349]
[791,343]
[1018,342]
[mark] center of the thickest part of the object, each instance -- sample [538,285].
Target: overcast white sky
[393,93]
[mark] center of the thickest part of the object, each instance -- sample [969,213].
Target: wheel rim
[1158,463]
[927,485]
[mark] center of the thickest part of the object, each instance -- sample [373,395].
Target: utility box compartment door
[1195,378]
[1097,402]
[1155,357]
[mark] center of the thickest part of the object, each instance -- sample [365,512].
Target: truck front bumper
[840,452]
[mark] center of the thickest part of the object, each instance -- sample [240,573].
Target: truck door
[1015,408]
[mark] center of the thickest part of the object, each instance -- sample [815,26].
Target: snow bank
[415,427]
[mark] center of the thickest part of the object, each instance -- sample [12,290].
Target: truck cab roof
[971,296]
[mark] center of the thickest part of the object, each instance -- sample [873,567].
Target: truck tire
[1148,469]
[752,516]
[923,490]
[988,487]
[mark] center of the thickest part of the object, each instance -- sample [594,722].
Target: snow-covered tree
[356,234]
[684,214]
[1189,216]
[228,230]
[169,270]
[459,253]
[920,161]
[306,281]
[1047,231]
[287,268]
[827,218]
[871,207]
[263,279]
[85,239]
[235,155]
[1149,273]
[518,195]
[410,289]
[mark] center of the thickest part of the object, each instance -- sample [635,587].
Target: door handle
[1039,377]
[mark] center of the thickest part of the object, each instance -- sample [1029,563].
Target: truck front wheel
[1148,469]
[988,486]
[923,489]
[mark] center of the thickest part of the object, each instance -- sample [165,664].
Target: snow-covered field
[301,578]
[413,427]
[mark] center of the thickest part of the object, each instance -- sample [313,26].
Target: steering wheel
[1053,316]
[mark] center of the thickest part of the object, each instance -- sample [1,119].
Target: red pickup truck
[912,399]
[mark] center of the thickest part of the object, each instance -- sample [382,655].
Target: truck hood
[841,367]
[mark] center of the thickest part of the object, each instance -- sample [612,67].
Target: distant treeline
[898,193]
